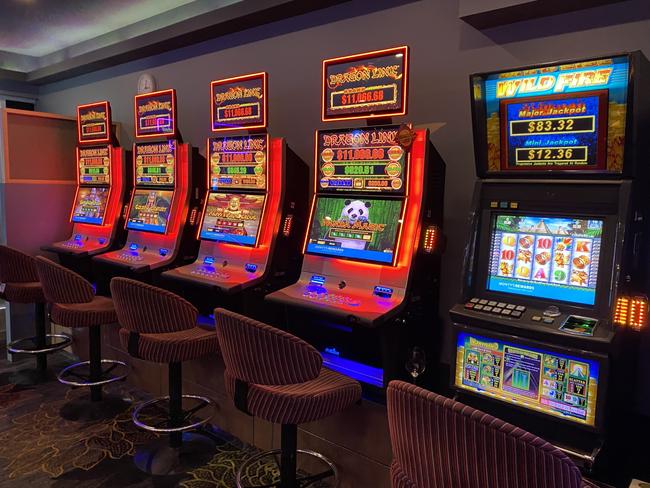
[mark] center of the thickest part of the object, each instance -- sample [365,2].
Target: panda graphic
[354,211]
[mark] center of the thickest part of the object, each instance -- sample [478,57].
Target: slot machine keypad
[131,258]
[496,308]
[332,298]
[210,273]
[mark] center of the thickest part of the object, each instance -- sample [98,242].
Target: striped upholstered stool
[19,283]
[440,442]
[74,304]
[161,327]
[277,377]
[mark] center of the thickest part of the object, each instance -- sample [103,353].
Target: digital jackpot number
[362,97]
[552,154]
[565,125]
[361,153]
[359,170]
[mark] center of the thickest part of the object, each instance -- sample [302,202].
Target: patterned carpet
[39,448]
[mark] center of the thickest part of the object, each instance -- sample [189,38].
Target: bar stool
[278,377]
[161,327]
[440,442]
[74,304]
[19,283]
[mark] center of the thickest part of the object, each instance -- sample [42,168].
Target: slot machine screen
[359,229]
[234,218]
[545,381]
[90,205]
[150,210]
[547,257]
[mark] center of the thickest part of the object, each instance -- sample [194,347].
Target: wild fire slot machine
[367,291]
[254,211]
[101,187]
[551,272]
[158,219]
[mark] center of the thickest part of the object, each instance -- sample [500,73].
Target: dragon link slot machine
[367,291]
[254,211]
[158,220]
[549,303]
[101,186]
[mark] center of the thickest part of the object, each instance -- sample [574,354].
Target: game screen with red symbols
[546,257]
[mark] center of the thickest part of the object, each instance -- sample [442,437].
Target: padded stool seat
[279,378]
[31,292]
[98,311]
[172,347]
[74,304]
[300,403]
[161,327]
[20,283]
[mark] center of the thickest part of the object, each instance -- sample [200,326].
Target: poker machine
[552,272]
[367,290]
[254,211]
[96,213]
[158,219]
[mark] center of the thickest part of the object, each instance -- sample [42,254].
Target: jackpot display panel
[374,225]
[102,180]
[553,245]
[254,210]
[158,217]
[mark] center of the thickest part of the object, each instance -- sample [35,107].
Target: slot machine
[367,290]
[253,213]
[542,329]
[96,213]
[158,219]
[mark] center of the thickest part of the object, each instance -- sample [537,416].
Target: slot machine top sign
[94,123]
[366,85]
[239,102]
[155,114]
[567,117]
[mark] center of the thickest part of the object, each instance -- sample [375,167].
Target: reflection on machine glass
[364,229]
[545,257]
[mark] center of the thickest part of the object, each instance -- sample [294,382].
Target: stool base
[85,379]
[185,422]
[301,481]
[159,459]
[86,410]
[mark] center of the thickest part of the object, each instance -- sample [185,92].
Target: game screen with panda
[358,229]
[233,218]
[548,382]
[545,257]
[90,206]
[150,210]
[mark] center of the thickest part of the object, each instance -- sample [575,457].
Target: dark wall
[445,50]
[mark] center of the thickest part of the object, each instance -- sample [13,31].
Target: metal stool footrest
[186,416]
[302,481]
[84,380]
[29,345]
